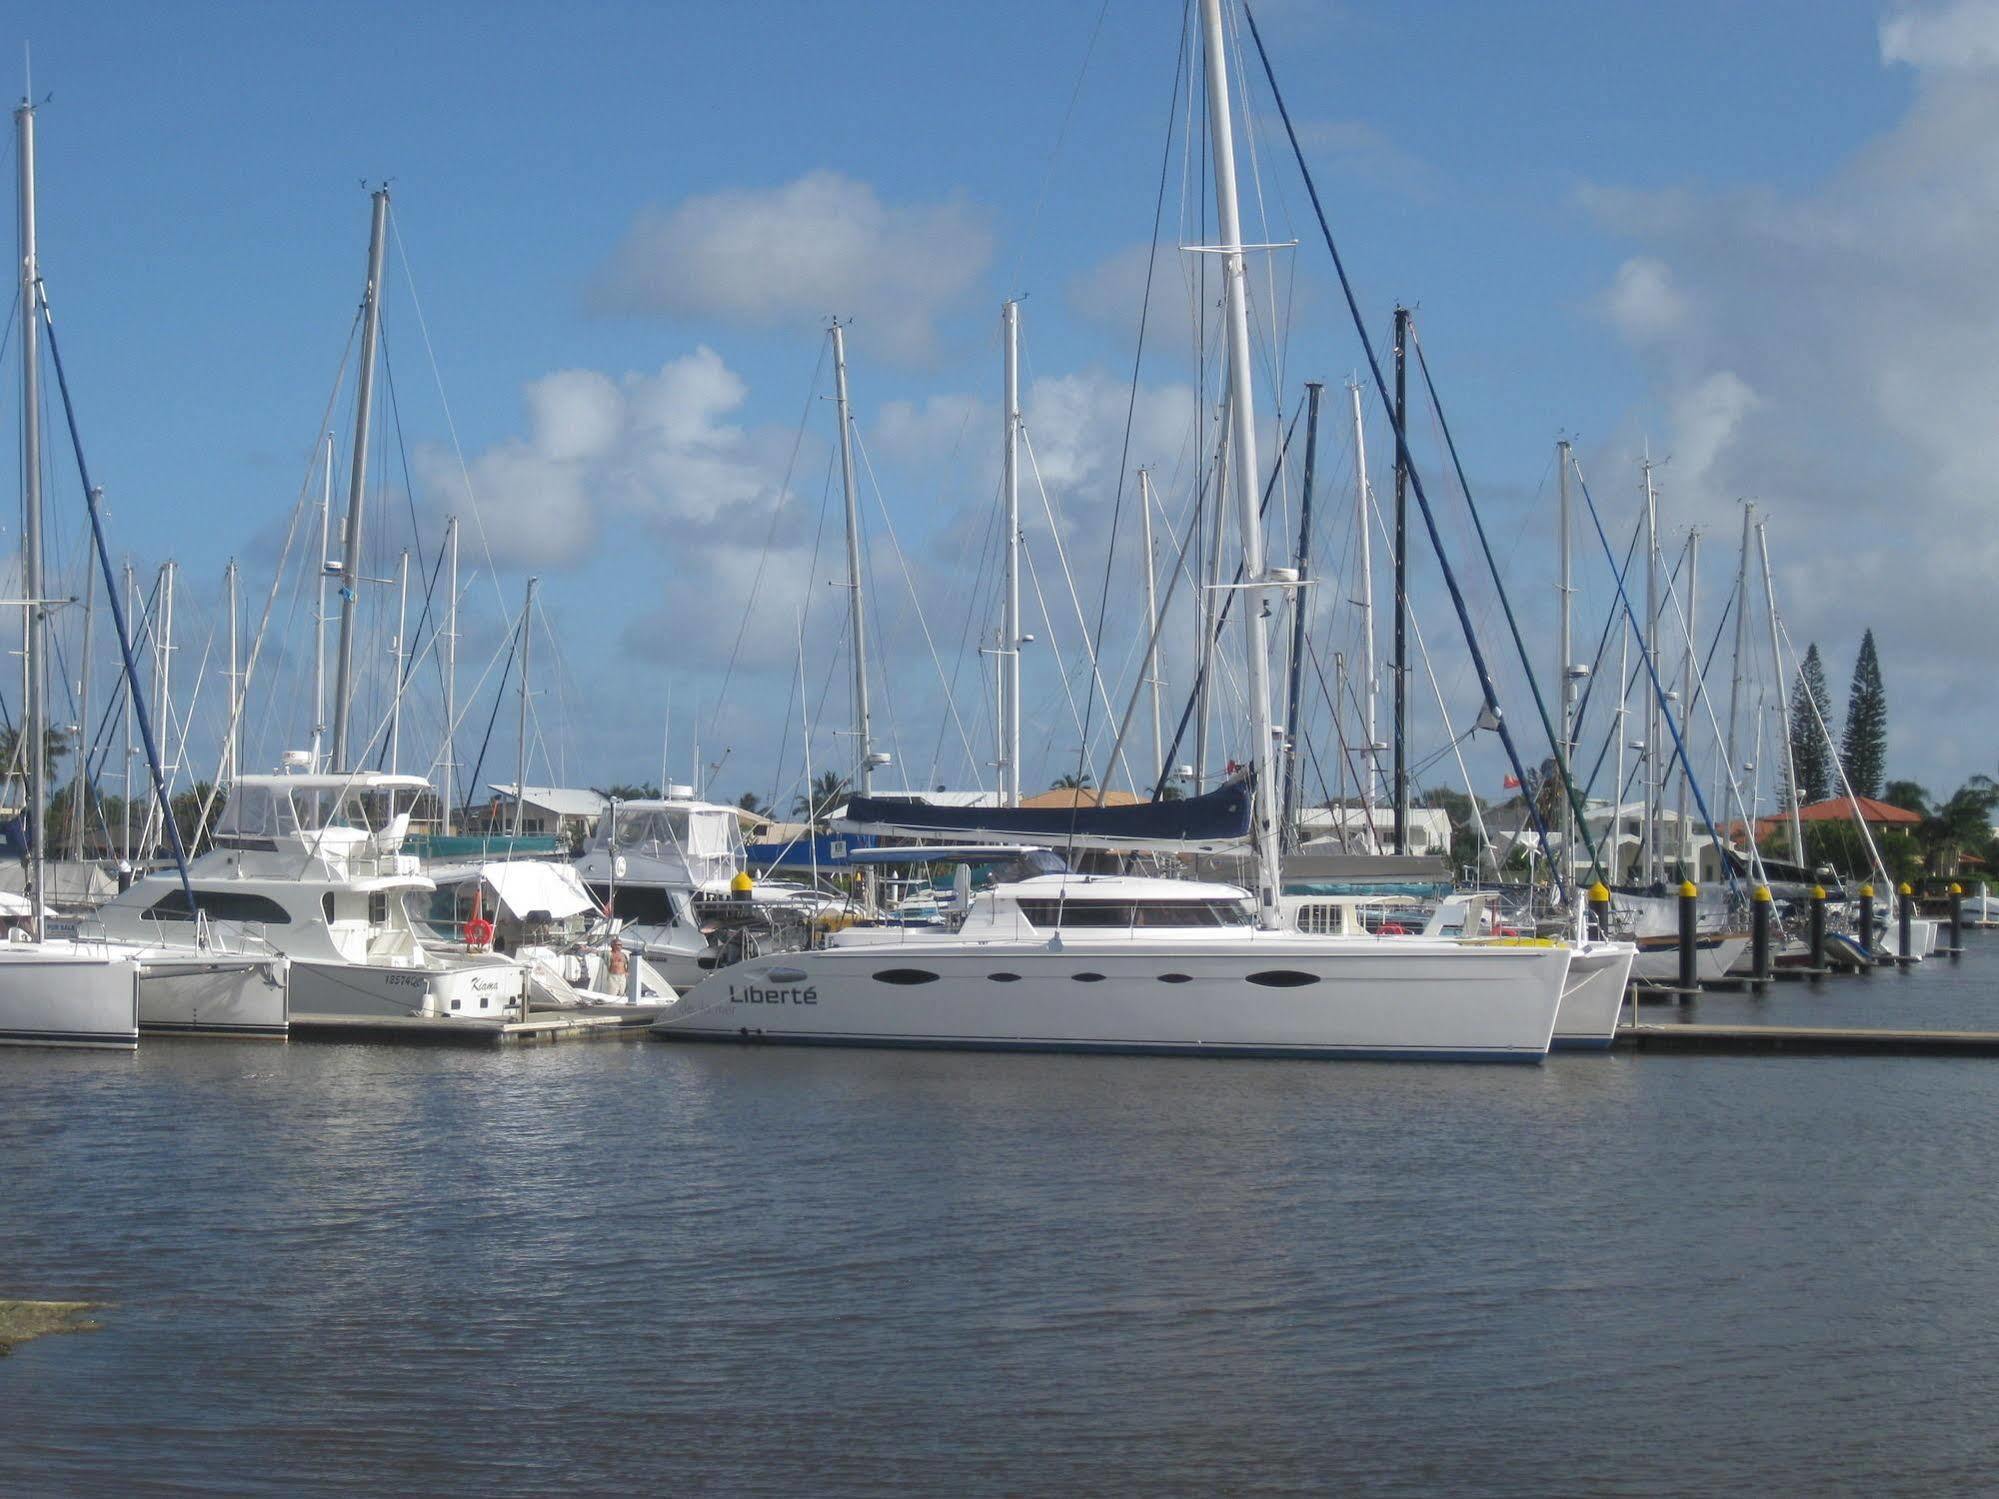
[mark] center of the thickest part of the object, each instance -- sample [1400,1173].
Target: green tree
[195,834]
[829,789]
[753,804]
[1959,826]
[1863,748]
[13,756]
[1071,783]
[629,792]
[1811,757]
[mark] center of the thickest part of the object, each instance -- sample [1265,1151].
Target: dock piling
[1759,942]
[1865,935]
[1689,936]
[1956,921]
[1905,922]
[1818,927]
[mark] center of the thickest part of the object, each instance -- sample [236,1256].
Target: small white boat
[57,993]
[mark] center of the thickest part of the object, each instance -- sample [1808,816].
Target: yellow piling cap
[1955,888]
[1688,889]
[741,883]
[1904,888]
[1818,892]
[1760,894]
[1599,892]
[1868,891]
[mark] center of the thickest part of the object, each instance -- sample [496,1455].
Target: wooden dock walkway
[601,1023]
[1751,1040]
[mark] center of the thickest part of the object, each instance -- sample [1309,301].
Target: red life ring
[1391,929]
[478,932]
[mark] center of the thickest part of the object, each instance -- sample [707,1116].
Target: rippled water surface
[637,1266]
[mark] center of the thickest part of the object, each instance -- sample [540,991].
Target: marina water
[649,1267]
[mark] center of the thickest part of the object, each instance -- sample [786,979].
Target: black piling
[1690,936]
[1759,944]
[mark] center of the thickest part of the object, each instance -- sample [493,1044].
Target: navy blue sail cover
[1216,819]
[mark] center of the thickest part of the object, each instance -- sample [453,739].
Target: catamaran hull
[69,1001]
[1279,996]
[350,990]
[1593,998]
[214,997]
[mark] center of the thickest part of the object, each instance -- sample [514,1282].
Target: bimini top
[264,808]
[360,780]
[1217,819]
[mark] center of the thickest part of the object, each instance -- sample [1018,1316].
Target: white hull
[1713,958]
[1258,994]
[68,999]
[1593,998]
[482,991]
[197,996]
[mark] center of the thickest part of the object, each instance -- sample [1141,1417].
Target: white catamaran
[1050,959]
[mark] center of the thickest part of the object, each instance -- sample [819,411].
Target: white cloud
[1960,35]
[1833,352]
[822,245]
[657,450]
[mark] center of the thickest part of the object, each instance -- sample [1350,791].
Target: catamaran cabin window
[1150,913]
[220,905]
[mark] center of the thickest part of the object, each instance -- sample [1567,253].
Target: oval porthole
[1176,978]
[1004,978]
[1087,978]
[1283,978]
[905,976]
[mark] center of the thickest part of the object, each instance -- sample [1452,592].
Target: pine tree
[1810,755]
[1863,749]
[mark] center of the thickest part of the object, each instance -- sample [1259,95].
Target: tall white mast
[451,680]
[399,655]
[521,760]
[79,794]
[163,655]
[1654,729]
[1681,842]
[1619,871]
[1009,646]
[319,611]
[1242,424]
[34,721]
[1152,629]
[232,769]
[1364,521]
[1565,598]
[1741,639]
[864,770]
[357,481]
[1783,702]
[125,815]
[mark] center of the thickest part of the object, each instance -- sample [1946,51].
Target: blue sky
[1586,203]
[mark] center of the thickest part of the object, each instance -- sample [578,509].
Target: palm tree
[829,789]
[753,804]
[1964,822]
[1071,783]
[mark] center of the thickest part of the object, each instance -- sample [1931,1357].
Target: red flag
[1511,783]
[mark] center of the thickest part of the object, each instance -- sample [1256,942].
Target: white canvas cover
[527,886]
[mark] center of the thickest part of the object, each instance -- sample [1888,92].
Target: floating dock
[1752,1040]
[597,1023]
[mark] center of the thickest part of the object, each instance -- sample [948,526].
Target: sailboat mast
[521,740]
[79,794]
[235,678]
[34,722]
[1654,729]
[1565,591]
[1242,426]
[399,655]
[1009,651]
[357,481]
[319,610]
[1619,868]
[125,814]
[1302,561]
[1783,703]
[1152,628]
[1364,521]
[1682,843]
[451,680]
[864,771]
[1741,638]
[1402,582]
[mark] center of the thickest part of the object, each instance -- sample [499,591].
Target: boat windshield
[1048,913]
[1032,862]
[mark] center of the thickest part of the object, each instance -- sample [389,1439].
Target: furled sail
[1214,820]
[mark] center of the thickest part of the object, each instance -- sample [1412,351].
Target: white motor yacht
[307,866]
